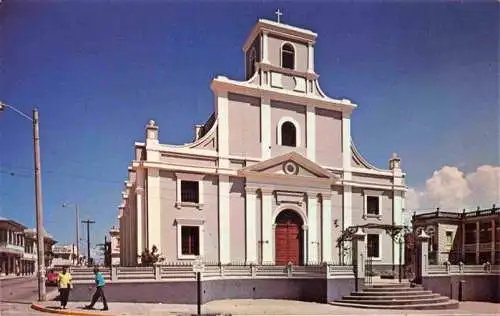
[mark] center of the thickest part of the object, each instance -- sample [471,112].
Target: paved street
[274,307]
[16,295]
[14,289]
[17,309]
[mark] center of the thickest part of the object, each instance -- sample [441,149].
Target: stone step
[398,302]
[392,284]
[391,297]
[400,293]
[450,304]
[392,289]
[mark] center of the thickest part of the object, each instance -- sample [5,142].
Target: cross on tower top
[278,14]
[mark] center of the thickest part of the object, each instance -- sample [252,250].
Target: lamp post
[38,198]
[77,228]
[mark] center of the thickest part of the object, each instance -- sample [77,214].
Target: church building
[272,176]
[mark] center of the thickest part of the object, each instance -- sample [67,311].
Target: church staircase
[396,296]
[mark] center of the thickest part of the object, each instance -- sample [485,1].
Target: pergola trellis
[391,230]
[395,231]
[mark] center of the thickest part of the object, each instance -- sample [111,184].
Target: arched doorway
[288,238]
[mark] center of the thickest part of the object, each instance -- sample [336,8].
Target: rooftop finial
[278,14]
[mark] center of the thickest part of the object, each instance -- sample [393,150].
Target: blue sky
[423,74]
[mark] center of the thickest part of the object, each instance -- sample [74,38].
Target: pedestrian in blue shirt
[99,291]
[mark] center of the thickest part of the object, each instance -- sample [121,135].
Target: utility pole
[77,230]
[42,296]
[77,227]
[88,222]
[38,198]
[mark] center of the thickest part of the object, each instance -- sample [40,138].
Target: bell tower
[279,48]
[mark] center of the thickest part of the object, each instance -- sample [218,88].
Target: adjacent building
[18,249]
[471,237]
[65,255]
[272,177]
[114,246]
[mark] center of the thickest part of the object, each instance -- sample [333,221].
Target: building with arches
[272,177]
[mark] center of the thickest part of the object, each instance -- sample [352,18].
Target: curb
[44,309]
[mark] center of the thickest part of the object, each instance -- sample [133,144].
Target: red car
[51,278]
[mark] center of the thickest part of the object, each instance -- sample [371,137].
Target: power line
[13,172]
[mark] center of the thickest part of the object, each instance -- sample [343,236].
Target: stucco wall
[476,287]
[358,207]
[357,219]
[188,161]
[169,213]
[328,138]
[237,219]
[184,292]
[384,180]
[274,51]
[244,125]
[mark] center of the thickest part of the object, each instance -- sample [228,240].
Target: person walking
[99,291]
[64,284]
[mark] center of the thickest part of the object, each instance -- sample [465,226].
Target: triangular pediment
[291,164]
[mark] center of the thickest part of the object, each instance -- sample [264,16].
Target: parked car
[51,278]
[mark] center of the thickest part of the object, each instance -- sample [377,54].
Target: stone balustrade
[166,272]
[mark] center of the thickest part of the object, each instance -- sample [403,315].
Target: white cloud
[452,190]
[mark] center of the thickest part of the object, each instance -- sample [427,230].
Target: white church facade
[272,177]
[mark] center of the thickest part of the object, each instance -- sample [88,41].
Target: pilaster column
[265,127]
[493,240]
[267,226]
[346,166]
[305,246]
[223,128]
[312,216]
[224,220]
[265,45]
[326,219]
[153,210]
[346,145]
[477,241]
[397,206]
[423,246]
[139,209]
[311,132]
[462,250]
[358,257]
[310,58]
[250,224]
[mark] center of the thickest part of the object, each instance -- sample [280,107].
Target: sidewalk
[255,307]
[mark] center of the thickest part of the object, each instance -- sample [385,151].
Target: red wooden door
[287,247]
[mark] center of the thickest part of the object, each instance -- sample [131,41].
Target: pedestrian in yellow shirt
[64,284]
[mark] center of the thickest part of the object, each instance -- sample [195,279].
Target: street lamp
[77,215]
[38,198]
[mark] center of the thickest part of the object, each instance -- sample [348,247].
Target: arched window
[252,58]
[288,134]
[288,56]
